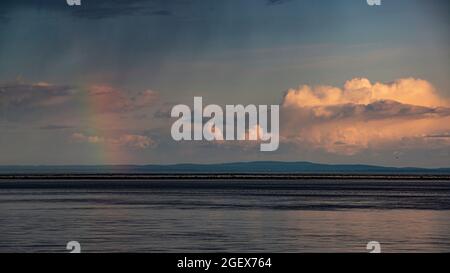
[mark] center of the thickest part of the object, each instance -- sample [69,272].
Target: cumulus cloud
[126,140]
[362,91]
[363,115]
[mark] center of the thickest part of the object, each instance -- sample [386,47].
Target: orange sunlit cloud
[362,115]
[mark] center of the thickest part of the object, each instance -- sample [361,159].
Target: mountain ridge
[262,167]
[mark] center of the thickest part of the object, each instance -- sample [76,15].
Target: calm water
[217,216]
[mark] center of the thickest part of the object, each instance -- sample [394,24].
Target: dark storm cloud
[276,2]
[99,9]
[104,9]
[94,9]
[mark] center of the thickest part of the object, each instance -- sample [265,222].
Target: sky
[94,84]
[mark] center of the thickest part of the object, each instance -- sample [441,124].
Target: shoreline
[223,176]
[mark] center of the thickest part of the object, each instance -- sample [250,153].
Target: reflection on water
[274,216]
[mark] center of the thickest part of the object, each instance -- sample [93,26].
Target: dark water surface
[225,216]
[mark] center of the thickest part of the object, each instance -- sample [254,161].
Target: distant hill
[238,167]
